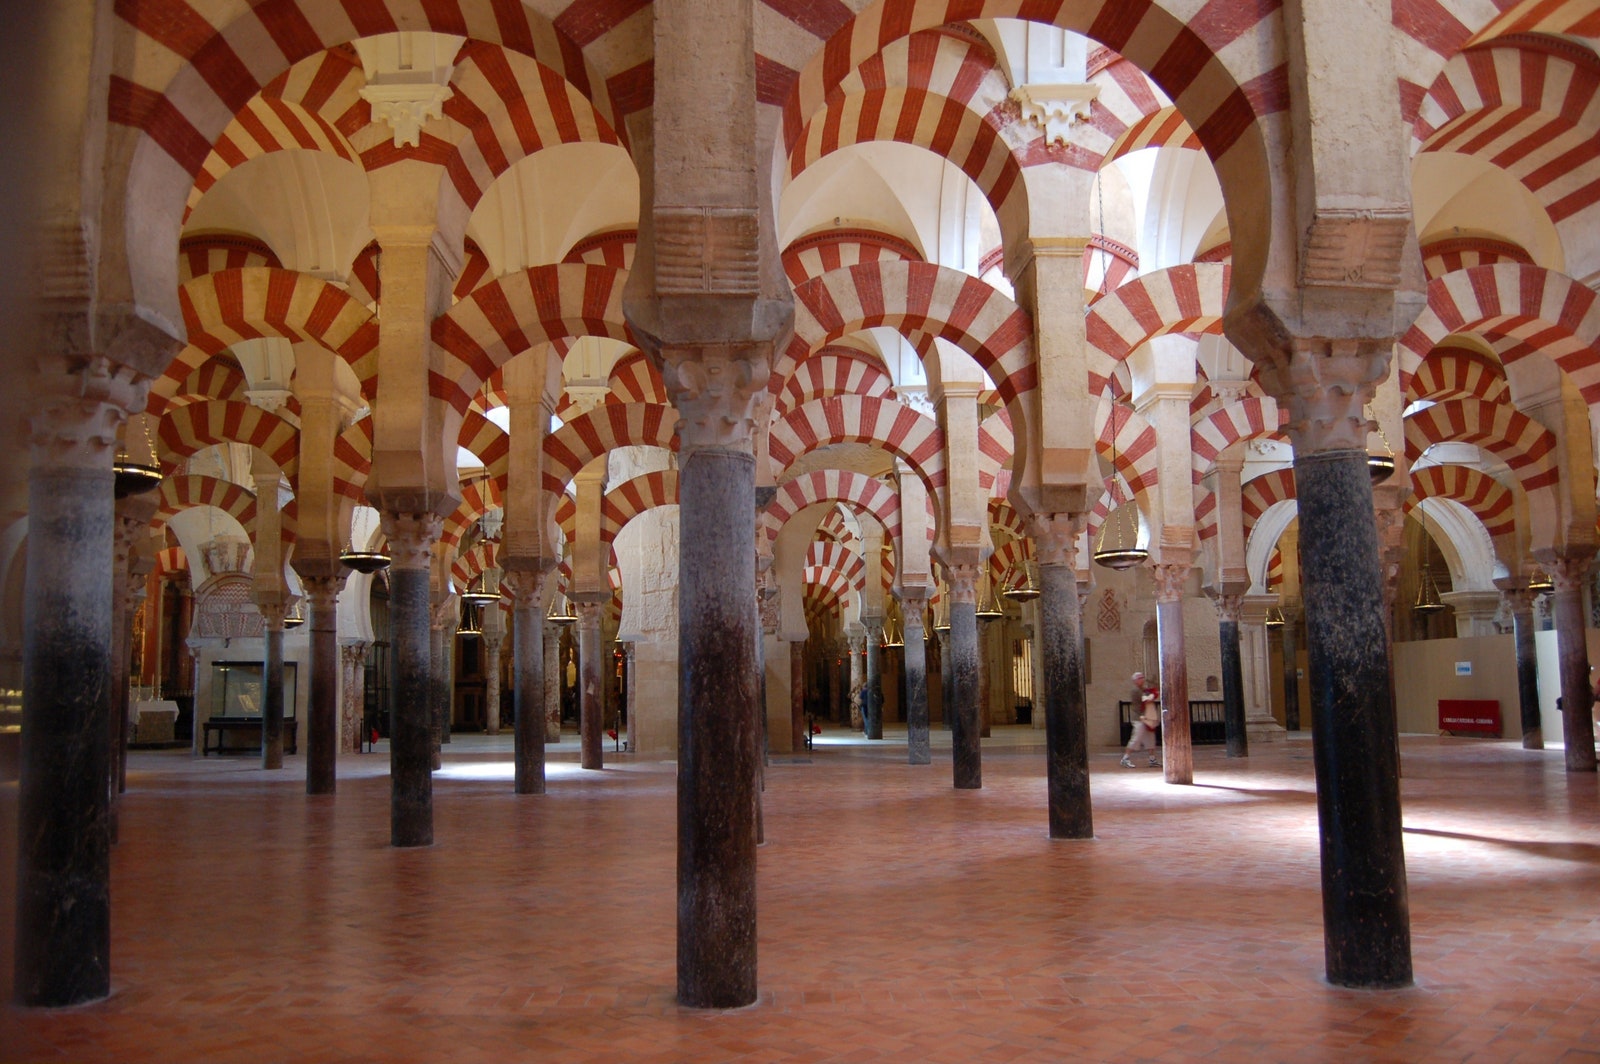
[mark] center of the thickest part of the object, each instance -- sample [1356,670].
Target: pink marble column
[1570,573]
[1177,752]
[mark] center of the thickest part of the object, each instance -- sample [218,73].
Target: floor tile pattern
[900,919]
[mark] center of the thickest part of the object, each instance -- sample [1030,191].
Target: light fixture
[990,609]
[1380,467]
[1539,581]
[363,561]
[892,636]
[1118,547]
[485,595]
[1274,618]
[1427,601]
[561,612]
[135,477]
[294,618]
[470,626]
[1027,592]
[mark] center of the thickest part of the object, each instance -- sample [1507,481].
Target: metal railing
[1206,725]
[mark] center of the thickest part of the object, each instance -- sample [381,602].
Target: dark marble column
[63,914]
[1177,752]
[322,713]
[436,683]
[1520,601]
[797,697]
[1232,675]
[1366,918]
[1066,716]
[552,682]
[1291,673]
[872,719]
[411,537]
[528,650]
[985,660]
[965,730]
[272,616]
[447,673]
[1570,574]
[919,749]
[717,733]
[127,527]
[591,694]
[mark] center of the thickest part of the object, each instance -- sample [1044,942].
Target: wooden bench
[222,727]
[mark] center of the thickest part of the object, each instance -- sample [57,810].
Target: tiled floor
[900,919]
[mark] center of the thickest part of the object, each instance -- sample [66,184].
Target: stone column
[919,749]
[552,683]
[797,696]
[1519,601]
[1291,671]
[411,537]
[353,690]
[832,652]
[1063,699]
[491,682]
[962,711]
[873,717]
[1177,751]
[985,668]
[1570,573]
[531,650]
[128,526]
[437,664]
[63,928]
[272,616]
[632,696]
[591,696]
[858,680]
[322,712]
[1232,675]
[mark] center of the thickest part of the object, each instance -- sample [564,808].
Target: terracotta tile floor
[900,919]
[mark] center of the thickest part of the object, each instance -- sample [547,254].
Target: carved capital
[1569,572]
[963,583]
[273,614]
[590,614]
[353,655]
[1055,538]
[411,538]
[1170,580]
[716,391]
[526,588]
[77,407]
[1228,607]
[322,592]
[1325,385]
[1055,109]
[1518,600]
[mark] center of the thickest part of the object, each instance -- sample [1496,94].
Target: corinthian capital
[963,584]
[716,391]
[78,406]
[1169,581]
[411,538]
[1325,385]
[1055,538]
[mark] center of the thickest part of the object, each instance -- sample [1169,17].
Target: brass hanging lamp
[1428,600]
[484,594]
[295,617]
[892,634]
[1028,591]
[133,476]
[471,626]
[363,561]
[989,607]
[561,612]
[1118,547]
[1539,581]
[1380,467]
[1274,618]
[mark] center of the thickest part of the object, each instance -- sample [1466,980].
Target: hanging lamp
[471,627]
[1380,467]
[1118,547]
[484,595]
[1427,601]
[363,561]
[134,477]
[295,617]
[1274,618]
[1539,581]
[990,609]
[1027,592]
[892,636]
[561,612]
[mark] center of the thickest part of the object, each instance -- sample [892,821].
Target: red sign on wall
[1470,716]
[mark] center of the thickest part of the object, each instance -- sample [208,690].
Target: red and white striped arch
[514,313]
[826,589]
[352,460]
[479,496]
[1004,516]
[363,283]
[223,308]
[179,493]
[1260,494]
[834,249]
[190,429]
[1522,443]
[1453,371]
[1246,419]
[613,248]
[1130,113]
[996,442]
[1440,257]
[834,527]
[933,90]
[1520,310]
[1490,501]
[831,554]
[170,561]
[471,564]
[511,107]
[1007,565]
[835,370]
[634,380]
[474,269]
[218,377]
[894,427]
[488,441]
[1124,438]
[919,300]
[1530,111]
[633,497]
[858,491]
[210,252]
[1180,299]
[605,428]
[267,124]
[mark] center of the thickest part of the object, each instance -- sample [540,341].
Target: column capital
[526,587]
[590,614]
[1569,570]
[717,391]
[411,538]
[322,591]
[1170,580]
[78,405]
[1518,599]
[1229,607]
[1325,385]
[273,614]
[963,583]
[1055,538]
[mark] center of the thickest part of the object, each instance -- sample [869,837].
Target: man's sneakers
[1126,763]
[1155,762]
